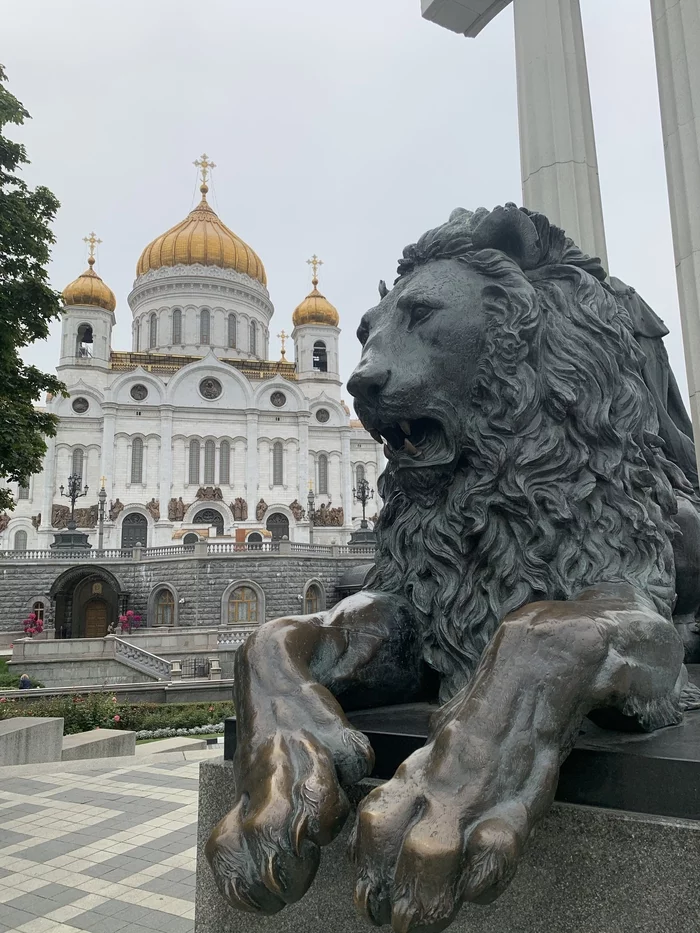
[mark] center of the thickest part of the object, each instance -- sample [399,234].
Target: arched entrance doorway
[134,530]
[87,601]
[278,526]
[210,517]
[96,615]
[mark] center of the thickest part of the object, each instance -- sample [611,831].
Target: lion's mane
[561,483]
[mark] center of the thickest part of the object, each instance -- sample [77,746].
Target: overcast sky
[341,128]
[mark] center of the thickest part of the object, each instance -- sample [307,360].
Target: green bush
[81,713]
[9,680]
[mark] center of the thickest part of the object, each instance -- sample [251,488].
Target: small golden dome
[89,289]
[201,239]
[315,308]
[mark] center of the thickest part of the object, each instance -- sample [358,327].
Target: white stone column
[252,472]
[677,39]
[49,483]
[346,475]
[109,418]
[303,464]
[558,159]
[166,459]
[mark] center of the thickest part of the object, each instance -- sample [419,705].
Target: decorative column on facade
[49,482]
[677,39]
[303,463]
[109,419]
[558,159]
[346,474]
[166,459]
[252,471]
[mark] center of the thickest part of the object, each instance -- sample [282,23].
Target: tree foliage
[27,306]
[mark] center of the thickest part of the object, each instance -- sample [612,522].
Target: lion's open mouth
[418,443]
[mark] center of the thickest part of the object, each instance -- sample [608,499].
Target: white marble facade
[197,403]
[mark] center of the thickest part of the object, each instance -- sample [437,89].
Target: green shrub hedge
[103,711]
[9,680]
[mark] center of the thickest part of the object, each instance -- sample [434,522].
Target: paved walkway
[99,846]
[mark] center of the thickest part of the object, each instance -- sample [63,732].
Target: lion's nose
[367,381]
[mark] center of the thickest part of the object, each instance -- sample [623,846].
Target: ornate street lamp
[74,493]
[102,499]
[363,493]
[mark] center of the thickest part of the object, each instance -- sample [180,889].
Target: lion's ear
[383,290]
[510,230]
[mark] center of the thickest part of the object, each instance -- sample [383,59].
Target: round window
[210,388]
[139,392]
[278,399]
[80,405]
[322,415]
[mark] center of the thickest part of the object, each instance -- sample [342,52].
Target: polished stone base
[588,870]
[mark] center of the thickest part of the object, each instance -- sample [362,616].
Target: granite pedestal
[27,740]
[98,743]
[588,870]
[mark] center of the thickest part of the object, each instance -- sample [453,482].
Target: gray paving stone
[94,922]
[11,917]
[24,786]
[9,837]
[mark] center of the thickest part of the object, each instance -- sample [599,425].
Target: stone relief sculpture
[210,494]
[114,509]
[527,554]
[260,510]
[153,507]
[239,508]
[4,521]
[176,510]
[36,520]
[327,516]
[84,518]
[296,509]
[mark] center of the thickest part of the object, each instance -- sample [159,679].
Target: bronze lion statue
[536,538]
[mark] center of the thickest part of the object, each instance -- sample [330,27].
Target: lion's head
[523,461]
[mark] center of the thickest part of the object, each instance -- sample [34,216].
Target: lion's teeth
[410,448]
[405,427]
[387,451]
[375,435]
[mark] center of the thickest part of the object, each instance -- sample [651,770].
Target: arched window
[165,607]
[204,327]
[20,541]
[323,474]
[243,606]
[190,539]
[84,342]
[278,526]
[23,492]
[39,611]
[253,338]
[277,464]
[225,463]
[232,330]
[177,326]
[77,464]
[194,462]
[313,599]
[320,358]
[254,540]
[153,330]
[359,474]
[137,460]
[137,334]
[209,461]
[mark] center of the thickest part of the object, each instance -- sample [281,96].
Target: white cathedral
[195,432]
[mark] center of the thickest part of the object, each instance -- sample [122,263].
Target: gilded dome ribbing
[89,289]
[202,239]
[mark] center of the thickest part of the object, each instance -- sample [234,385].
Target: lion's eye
[419,313]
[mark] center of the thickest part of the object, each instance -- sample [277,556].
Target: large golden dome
[315,308]
[89,289]
[202,239]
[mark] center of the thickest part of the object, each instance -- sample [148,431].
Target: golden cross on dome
[92,242]
[314,262]
[283,338]
[204,166]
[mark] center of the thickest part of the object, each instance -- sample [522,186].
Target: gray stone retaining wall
[201,581]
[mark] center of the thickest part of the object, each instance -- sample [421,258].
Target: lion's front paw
[421,850]
[264,854]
